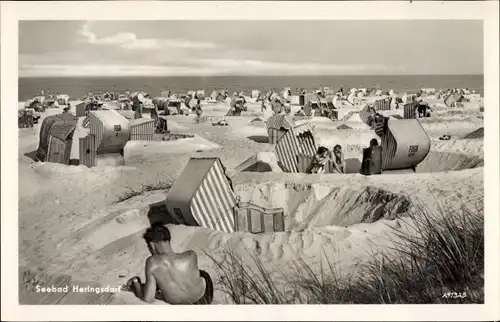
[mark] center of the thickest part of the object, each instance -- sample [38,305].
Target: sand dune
[112,236]
[71,223]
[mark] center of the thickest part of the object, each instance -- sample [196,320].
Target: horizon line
[240,75]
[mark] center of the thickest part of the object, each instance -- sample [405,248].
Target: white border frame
[12,12]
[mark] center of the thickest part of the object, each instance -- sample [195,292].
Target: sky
[210,48]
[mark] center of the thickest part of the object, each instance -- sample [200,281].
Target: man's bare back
[177,277]
[172,277]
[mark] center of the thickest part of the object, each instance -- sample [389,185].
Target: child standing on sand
[338,160]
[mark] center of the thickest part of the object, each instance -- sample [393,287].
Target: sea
[79,86]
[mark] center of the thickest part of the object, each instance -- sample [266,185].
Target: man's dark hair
[156,233]
[373,142]
[322,150]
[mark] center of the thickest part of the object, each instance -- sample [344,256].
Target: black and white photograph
[251,161]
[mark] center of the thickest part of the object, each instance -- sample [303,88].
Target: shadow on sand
[33,156]
[158,213]
[259,138]
[352,165]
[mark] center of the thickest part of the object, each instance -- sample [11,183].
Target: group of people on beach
[372,157]
[323,156]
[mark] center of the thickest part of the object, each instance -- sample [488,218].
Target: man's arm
[149,289]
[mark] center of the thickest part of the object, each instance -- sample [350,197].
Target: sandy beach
[70,222]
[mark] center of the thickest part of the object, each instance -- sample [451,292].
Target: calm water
[28,87]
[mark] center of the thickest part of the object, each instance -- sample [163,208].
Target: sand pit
[113,238]
[315,200]
[449,161]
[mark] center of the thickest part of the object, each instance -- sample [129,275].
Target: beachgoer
[422,109]
[338,160]
[154,113]
[137,107]
[375,157]
[199,112]
[372,158]
[172,277]
[21,118]
[319,161]
[243,101]
[30,117]
[372,116]
[160,125]
[263,106]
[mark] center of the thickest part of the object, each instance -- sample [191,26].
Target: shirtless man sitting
[171,277]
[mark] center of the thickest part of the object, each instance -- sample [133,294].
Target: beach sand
[70,222]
